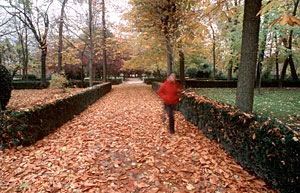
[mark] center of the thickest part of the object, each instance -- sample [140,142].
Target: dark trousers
[170,112]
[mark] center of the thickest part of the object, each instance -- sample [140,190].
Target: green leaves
[23,186]
[270,5]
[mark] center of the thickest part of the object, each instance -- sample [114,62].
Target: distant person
[170,92]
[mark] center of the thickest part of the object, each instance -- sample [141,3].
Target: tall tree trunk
[169,55]
[82,64]
[60,36]
[261,54]
[277,67]
[43,60]
[214,52]
[44,48]
[283,72]
[289,59]
[91,44]
[22,52]
[230,64]
[25,72]
[292,66]
[104,43]
[276,58]
[229,71]
[181,68]
[246,78]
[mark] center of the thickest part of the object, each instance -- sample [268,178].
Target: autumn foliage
[27,126]
[263,146]
[120,144]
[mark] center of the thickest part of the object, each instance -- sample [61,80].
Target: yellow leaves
[223,16]
[206,3]
[268,7]
[271,24]
[286,19]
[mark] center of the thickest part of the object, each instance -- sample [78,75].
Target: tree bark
[261,55]
[91,44]
[43,60]
[277,67]
[26,61]
[229,70]
[289,59]
[169,54]
[60,36]
[291,62]
[104,43]
[276,58]
[246,77]
[283,72]
[214,52]
[181,68]
[23,55]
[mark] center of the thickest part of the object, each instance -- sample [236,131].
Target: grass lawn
[281,104]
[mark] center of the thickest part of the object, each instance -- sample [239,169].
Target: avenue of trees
[247,40]
[55,36]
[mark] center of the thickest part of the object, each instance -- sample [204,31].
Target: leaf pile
[120,144]
[27,98]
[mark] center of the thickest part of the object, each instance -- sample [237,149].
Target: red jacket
[168,91]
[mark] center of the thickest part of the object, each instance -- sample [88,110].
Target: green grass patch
[281,104]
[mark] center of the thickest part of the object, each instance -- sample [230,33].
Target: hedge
[262,146]
[23,84]
[194,83]
[26,127]
[116,81]
[151,80]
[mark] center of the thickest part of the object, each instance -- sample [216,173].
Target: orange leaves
[286,19]
[25,99]
[120,144]
[269,6]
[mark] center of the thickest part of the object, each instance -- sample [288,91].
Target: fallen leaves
[120,144]
[28,98]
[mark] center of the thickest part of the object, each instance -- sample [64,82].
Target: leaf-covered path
[120,144]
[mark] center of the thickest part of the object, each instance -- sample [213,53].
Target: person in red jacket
[170,92]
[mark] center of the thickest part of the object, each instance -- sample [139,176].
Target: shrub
[5,86]
[58,81]
[24,84]
[263,146]
[198,68]
[28,126]
[31,77]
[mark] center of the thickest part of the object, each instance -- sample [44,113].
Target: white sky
[114,9]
